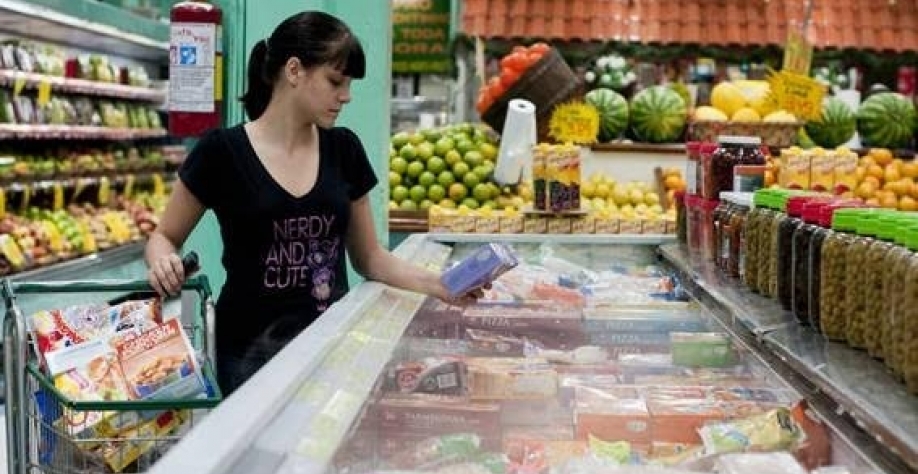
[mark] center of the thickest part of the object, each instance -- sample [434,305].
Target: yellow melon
[728,98]
[707,112]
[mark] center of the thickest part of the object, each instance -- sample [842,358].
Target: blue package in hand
[483,266]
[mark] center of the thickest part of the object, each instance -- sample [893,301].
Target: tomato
[519,49]
[495,88]
[539,47]
[518,61]
[532,58]
[508,77]
[484,102]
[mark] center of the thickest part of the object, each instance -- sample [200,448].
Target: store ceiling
[880,25]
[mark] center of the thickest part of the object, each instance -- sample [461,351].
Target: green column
[249,21]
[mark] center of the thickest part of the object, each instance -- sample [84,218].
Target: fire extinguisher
[195,68]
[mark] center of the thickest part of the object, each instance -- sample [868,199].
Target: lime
[424,151]
[470,203]
[445,178]
[408,205]
[425,204]
[416,138]
[482,172]
[452,157]
[394,178]
[436,192]
[415,168]
[417,193]
[393,205]
[400,139]
[427,178]
[398,164]
[457,192]
[491,204]
[495,190]
[431,134]
[464,146]
[408,152]
[488,151]
[392,152]
[481,192]
[473,158]
[444,145]
[436,165]
[399,193]
[470,180]
[447,204]
[460,169]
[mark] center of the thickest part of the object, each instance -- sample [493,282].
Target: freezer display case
[587,357]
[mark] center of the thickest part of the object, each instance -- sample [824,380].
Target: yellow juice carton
[795,169]
[540,175]
[583,225]
[488,221]
[822,170]
[559,225]
[845,171]
[631,225]
[535,225]
[464,222]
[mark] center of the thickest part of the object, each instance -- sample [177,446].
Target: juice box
[540,155]
[822,170]
[483,266]
[583,225]
[605,223]
[559,225]
[795,169]
[488,222]
[845,172]
[535,225]
[630,226]
[511,222]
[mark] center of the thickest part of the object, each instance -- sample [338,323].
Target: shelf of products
[586,357]
[858,383]
[81,86]
[69,132]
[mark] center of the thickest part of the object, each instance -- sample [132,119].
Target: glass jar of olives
[885,228]
[857,280]
[893,292]
[833,278]
[800,260]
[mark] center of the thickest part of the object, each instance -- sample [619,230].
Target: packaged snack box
[483,266]
[160,363]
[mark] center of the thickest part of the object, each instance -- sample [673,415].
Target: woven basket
[546,84]
[773,134]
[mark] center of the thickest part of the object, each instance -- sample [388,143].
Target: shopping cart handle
[190,263]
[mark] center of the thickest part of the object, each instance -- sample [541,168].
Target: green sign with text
[420,37]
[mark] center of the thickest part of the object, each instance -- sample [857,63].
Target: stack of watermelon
[836,126]
[887,120]
[656,115]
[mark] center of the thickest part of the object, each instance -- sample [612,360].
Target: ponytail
[256,98]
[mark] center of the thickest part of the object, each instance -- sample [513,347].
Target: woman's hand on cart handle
[168,274]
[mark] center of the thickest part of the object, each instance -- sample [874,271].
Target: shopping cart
[49,433]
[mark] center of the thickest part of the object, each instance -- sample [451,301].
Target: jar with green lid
[721,228]
[906,322]
[769,280]
[885,227]
[815,266]
[753,239]
[792,220]
[857,280]
[833,279]
[736,232]
[898,262]
[800,259]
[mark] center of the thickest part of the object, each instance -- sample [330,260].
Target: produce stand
[318,416]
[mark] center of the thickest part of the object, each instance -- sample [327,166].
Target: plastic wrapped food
[772,431]
[759,463]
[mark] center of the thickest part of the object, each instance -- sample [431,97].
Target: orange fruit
[770,178]
[882,156]
[873,180]
[866,161]
[872,202]
[860,173]
[866,190]
[876,171]
[910,169]
[907,203]
[890,201]
[891,173]
[674,182]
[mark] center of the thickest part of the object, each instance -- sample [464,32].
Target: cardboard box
[822,171]
[511,378]
[583,225]
[618,420]
[511,224]
[487,224]
[559,225]
[551,328]
[607,225]
[678,421]
[535,225]
[653,226]
[599,320]
[422,415]
[631,226]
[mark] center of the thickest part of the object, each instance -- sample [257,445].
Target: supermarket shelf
[83,86]
[407,221]
[68,132]
[78,268]
[756,313]
[860,385]
[107,28]
[613,239]
[856,384]
[666,149]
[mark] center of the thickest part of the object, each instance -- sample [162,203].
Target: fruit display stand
[389,380]
[83,163]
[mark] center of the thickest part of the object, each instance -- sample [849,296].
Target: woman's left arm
[374,262]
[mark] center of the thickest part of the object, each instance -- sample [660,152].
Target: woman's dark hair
[315,38]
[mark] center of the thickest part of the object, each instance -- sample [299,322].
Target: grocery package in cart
[107,386]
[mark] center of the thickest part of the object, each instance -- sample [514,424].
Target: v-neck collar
[266,174]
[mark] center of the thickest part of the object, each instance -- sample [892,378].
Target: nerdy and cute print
[303,253]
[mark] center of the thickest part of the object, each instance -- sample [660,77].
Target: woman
[290,192]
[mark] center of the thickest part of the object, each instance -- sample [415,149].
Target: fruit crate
[773,134]
[548,83]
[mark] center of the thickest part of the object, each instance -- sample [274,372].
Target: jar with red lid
[705,221]
[800,258]
[792,221]
[732,151]
[693,151]
[702,181]
[721,230]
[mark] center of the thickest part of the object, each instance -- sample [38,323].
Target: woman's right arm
[183,211]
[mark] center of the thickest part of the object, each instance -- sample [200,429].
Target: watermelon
[837,125]
[886,120]
[658,115]
[613,112]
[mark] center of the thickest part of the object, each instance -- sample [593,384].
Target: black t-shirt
[283,255]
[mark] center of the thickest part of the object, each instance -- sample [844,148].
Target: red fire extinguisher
[195,68]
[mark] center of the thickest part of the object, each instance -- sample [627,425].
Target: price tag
[18,85]
[798,54]
[58,200]
[159,188]
[105,188]
[797,94]
[2,203]
[44,93]
[575,122]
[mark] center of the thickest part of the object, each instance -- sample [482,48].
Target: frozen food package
[496,378]
[437,451]
[443,375]
[138,441]
[423,415]
[483,266]
[772,431]
[760,463]
[161,363]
